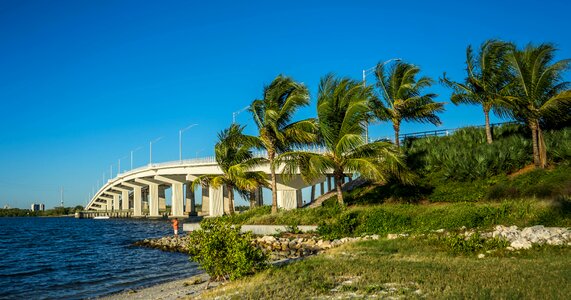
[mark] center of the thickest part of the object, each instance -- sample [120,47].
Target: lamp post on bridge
[365,72]
[151,149]
[132,151]
[180,140]
[236,113]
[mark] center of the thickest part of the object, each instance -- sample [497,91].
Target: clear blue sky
[84,82]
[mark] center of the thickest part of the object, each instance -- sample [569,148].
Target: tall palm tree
[402,97]
[273,116]
[486,82]
[235,158]
[342,106]
[538,91]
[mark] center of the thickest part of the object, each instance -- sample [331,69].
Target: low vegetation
[420,267]
[223,252]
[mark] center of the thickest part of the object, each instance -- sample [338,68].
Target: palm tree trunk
[338,185]
[253,200]
[488,128]
[541,147]
[271,155]
[396,127]
[533,127]
[230,198]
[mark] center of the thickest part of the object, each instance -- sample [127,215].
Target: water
[67,258]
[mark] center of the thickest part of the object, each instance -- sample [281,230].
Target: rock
[392,236]
[521,244]
[481,255]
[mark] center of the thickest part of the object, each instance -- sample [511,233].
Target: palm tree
[402,96]
[234,156]
[342,106]
[487,80]
[538,91]
[273,116]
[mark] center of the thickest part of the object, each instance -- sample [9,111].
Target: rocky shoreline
[277,248]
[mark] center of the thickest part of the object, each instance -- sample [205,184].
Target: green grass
[335,221]
[411,268]
[543,184]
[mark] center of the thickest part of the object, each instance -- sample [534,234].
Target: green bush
[223,252]
[343,226]
[465,155]
[459,244]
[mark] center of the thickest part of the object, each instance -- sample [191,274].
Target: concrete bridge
[141,192]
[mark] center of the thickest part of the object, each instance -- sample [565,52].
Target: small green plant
[460,244]
[223,252]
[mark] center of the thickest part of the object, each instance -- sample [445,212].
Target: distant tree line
[56,211]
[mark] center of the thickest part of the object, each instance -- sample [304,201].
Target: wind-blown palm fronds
[402,97]
[234,157]
[486,82]
[538,91]
[342,106]
[273,116]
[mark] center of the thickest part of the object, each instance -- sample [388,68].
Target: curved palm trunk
[534,126]
[271,156]
[488,128]
[338,175]
[396,127]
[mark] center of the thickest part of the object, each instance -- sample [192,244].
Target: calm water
[66,258]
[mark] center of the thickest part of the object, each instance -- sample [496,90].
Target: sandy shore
[178,289]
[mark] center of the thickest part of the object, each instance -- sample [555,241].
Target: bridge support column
[177,204]
[226,200]
[137,198]
[216,201]
[125,200]
[256,198]
[312,193]
[116,202]
[137,202]
[109,205]
[189,209]
[289,199]
[162,199]
[154,200]
[205,199]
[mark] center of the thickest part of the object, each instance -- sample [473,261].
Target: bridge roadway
[141,192]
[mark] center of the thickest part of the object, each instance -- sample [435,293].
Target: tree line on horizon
[524,84]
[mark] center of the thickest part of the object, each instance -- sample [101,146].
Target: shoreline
[186,287]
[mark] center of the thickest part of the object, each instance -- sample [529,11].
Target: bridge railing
[440,132]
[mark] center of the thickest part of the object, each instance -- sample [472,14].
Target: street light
[151,149]
[365,72]
[236,113]
[180,140]
[132,151]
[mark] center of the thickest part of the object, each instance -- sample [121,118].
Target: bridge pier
[153,196]
[216,201]
[205,199]
[190,208]
[137,198]
[177,194]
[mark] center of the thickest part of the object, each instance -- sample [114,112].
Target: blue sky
[82,83]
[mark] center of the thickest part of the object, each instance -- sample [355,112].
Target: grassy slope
[412,268]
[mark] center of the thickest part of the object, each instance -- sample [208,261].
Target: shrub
[223,252]
[343,226]
[459,244]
